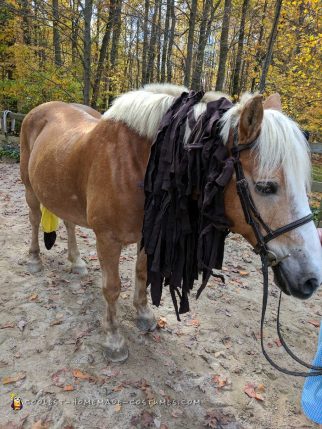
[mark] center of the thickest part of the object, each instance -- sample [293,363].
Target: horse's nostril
[310,285]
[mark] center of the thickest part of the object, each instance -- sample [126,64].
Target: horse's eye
[266,188]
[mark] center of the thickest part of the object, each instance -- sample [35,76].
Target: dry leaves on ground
[14,378]
[254,391]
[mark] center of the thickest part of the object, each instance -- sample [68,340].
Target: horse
[88,170]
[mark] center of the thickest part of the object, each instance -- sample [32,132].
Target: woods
[89,51]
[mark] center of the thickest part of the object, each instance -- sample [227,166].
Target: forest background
[89,51]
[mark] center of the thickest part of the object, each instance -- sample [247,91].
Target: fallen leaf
[59,377]
[176,413]
[315,323]
[244,273]
[7,325]
[56,322]
[162,322]
[118,388]
[278,342]
[39,425]
[14,378]
[260,388]
[194,322]
[215,419]
[220,382]
[68,387]
[93,258]
[82,375]
[145,420]
[117,408]
[250,390]
[33,296]
[124,295]
[156,338]
[227,342]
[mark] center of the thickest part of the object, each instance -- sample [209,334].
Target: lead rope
[289,351]
[317,371]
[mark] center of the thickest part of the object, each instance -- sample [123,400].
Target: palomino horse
[88,170]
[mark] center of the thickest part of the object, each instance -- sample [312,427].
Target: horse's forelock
[281,144]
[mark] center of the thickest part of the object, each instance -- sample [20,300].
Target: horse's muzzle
[302,290]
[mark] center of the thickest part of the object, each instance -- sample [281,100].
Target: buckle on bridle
[273,259]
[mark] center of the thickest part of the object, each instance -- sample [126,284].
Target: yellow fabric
[49,221]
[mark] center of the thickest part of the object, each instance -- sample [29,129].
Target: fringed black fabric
[185,226]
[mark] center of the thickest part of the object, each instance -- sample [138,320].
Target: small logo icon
[16,403]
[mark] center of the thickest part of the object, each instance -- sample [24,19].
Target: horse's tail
[49,223]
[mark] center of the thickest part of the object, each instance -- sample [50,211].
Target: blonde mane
[142,110]
[281,143]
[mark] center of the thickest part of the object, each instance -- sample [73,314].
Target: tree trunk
[192,24]
[258,55]
[153,39]
[114,47]
[165,41]
[272,38]
[159,30]
[25,21]
[171,41]
[88,10]
[223,47]
[103,55]
[75,28]
[204,33]
[145,40]
[240,49]
[56,34]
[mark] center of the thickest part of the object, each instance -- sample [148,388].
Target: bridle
[268,258]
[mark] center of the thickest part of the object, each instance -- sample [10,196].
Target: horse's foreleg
[145,317]
[34,263]
[78,265]
[109,251]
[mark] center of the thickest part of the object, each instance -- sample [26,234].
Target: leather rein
[268,258]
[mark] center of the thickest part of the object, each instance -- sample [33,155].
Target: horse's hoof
[34,266]
[146,324]
[116,350]
[81,270]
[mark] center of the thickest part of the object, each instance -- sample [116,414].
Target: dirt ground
[192,374]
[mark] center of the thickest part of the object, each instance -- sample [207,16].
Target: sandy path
[193,373]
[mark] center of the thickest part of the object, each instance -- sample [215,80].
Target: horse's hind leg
[34,263]
[78,265]
[145,317]
[109,251]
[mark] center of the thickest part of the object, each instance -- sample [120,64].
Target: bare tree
[56,34]
[145,39]
[223,46]
[115,45]
[191,32]
[171,41]
[88,10]
[204,33]
[153,39]
[272,38]
[240,49]
[103,54]
[165,41]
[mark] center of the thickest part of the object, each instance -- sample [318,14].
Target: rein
[268,258]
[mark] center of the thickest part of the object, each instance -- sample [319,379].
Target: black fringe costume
[185,226]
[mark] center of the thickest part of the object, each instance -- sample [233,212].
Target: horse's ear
[251,119]
[273,102]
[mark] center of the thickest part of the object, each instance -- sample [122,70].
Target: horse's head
[278,171]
